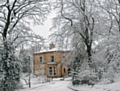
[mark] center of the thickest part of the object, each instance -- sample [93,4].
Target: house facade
[49,62]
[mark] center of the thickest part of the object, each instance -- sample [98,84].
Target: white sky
[44,30]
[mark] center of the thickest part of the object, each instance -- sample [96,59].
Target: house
[51,62]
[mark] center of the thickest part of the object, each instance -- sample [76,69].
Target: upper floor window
[52,59]
[41,60]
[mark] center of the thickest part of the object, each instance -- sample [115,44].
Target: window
[64,70]
[41,60]
[52,58]
[54,71]
[42,70]
[69,71]
[50,71]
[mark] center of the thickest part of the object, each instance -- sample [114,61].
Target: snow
[52,50]
[65,85]
[55,85]
[52,63]
[108,87]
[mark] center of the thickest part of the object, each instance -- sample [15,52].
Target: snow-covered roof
[51,50]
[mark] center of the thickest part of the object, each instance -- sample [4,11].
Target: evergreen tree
[10,68]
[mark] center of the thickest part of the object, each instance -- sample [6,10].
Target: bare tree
[15,17]
[110,44]
[111,8]
[76,18]
[76,22]
[15,13]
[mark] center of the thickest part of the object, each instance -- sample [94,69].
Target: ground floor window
[42,70]
[69,71]
[54,71]
[64,70]
[50,71]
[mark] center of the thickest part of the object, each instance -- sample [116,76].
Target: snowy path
[57,86]
[52,86]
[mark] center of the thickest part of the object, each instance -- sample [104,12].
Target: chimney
[52,46]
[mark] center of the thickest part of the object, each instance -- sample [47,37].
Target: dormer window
[52,59]
[41,60]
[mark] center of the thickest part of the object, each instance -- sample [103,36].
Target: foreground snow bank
[109,87]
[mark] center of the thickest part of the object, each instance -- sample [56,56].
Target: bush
[76,82]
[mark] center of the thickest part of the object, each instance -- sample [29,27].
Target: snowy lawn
[55,85]
[65,85]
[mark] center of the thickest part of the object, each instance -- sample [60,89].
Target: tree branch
[65,16]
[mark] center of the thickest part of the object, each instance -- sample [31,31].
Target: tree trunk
[89,53]
[5,68]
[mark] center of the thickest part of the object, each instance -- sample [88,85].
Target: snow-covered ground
[55,85]
[65,85]
[109,87]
